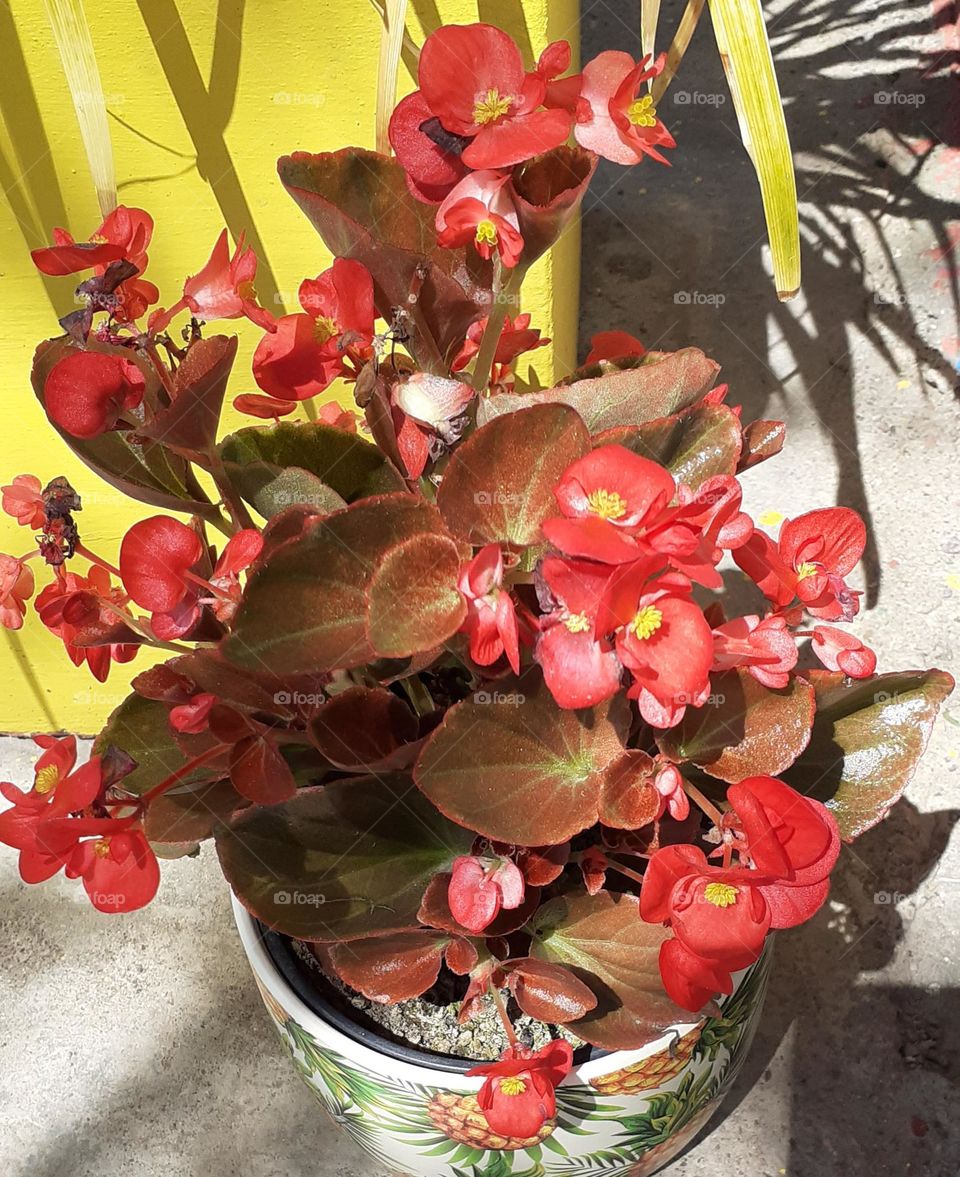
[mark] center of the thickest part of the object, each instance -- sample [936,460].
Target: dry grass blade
[748,63]
[649,15]
[72,34]
[391,42]
[679,46]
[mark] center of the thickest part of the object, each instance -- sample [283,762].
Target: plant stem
[707,806]
[82,551]
[505,293]
[504,1016]
[181,772]
[625,870]
[236,508]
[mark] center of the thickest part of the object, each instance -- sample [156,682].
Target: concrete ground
[138,1046]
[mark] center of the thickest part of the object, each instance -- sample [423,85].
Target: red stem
[94,559]
[180,773]
[504,1016]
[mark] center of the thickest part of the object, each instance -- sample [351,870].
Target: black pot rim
[288,965]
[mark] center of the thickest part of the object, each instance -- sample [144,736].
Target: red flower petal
[154,555]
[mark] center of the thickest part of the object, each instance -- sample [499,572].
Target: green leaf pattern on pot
[440,1131]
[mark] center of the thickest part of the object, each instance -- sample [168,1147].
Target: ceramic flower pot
[622,1113]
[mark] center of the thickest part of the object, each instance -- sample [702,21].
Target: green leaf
[867,740]
[744,729]
[145,471]
[695,445]
[141,728]
[305,608]
[513,766]
[192,814]
[359,203]
[499,484]
[660,384]
[272,468]
[605,944]
[344,861]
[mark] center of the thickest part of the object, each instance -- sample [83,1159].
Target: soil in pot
[427,1023]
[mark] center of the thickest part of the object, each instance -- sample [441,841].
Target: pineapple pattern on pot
[626,1123]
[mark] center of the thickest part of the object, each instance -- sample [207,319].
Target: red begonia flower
[124,233]
[579,668]
[479,212]
[516,338]
[16,588]
[87,392]
[613,345]
[194,715]
[792,840]
[765,648]
[155,556]
[663,639]
[519,1095]
[223,289]
[429,154]
[119,870]
[559,92]
[473,80]
[338,417]
[813,555]
[23,500]
[308,351]
[491,620]
[838,650]
[617,118]
[606,498]
[705,523]
[53,608]
[240,552]
[673,798]
[717,913]
[691,980]
[480,887]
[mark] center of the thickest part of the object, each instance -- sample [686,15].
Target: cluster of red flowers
[479,113]
[618,596]
[68,821]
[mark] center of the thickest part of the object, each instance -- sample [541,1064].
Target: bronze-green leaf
[347,860]
[867,738]
[661,384]
[413,602]
[695,445]
[744,729]
[305,606]
[607,946]
[498,487]
[513,766]
[270,467]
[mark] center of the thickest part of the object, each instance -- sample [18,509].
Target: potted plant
[509,796]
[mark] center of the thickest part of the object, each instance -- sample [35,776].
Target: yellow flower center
[642,112]
[577,623]
[98,239]
[720,894]
[490,108]
[324,328]
[806,570]
[47,778]
[646,622]
[486,233]
[101,848]
[606,503]
[513,1085]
